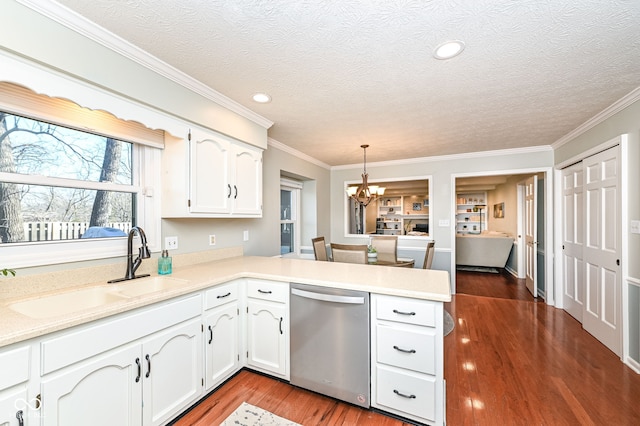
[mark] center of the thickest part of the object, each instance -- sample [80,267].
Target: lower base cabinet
[14,406]
[147,382]
[407,358]
[222,332]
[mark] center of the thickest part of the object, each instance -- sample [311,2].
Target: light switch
[443,223]
[635,226]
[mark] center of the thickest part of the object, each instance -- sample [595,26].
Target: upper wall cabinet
[211,175]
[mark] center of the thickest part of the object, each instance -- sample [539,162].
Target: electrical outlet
[245,235]
[212,240]
[171,243]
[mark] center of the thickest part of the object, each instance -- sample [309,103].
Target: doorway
[504,212]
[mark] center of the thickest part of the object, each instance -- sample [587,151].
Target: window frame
[146,169]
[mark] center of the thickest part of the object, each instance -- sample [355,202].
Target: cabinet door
[172,371]
[266,344]
[209,185]
[12,401]
[247,185]
[222,350]
[104,391]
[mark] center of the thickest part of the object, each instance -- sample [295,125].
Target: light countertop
[404,282]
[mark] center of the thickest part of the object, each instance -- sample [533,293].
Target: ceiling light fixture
[364,193]
[261,98]
[448,49]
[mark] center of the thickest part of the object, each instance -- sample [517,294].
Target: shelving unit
[471,213]
[396,212]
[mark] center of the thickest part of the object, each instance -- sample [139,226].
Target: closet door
[530,234]
[602,314]
[573,240]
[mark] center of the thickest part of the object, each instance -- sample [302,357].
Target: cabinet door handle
[280,325]
[223,296]
[139,370]
[395,311]
[403,395]
[236,193]
[210,335]
[406,351]
[264,291]
[20,419]
[229,188]
[148,365]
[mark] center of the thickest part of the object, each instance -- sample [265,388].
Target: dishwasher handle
[353,300]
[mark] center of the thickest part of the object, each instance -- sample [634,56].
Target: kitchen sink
[92,297]
[66,303]
[141,286]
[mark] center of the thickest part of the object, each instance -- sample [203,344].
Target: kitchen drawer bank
[141,342]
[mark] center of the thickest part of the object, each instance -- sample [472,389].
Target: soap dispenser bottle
[164,263]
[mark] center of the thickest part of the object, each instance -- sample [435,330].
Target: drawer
[408,311]
[405,391]
[220,295]
[413,350]
[15,366]
[268,290]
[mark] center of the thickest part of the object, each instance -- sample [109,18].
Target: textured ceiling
[346,72]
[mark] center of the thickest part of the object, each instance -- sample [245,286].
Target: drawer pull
[20,419]
[403,395]
[223,296]
[395,311]
[139,370]
[210,335]
[265,291]
[406,351]
[148,365]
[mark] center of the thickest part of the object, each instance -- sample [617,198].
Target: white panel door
[602,314]
[530,234]
[572,240]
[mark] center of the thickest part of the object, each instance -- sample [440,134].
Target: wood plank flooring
[510,360]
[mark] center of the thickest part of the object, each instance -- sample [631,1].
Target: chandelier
[364,194]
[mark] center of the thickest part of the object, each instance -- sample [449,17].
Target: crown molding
[608,112]
[86,28]
[282,147]
[466,155]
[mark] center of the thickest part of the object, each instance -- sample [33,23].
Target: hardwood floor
[510,360]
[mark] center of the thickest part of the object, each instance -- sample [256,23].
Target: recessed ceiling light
[261,98]
[448,49]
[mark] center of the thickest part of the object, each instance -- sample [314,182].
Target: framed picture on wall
[417,206]
[498,210]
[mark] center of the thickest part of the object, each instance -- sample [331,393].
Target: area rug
[250,415]
[448,323]
[478,269]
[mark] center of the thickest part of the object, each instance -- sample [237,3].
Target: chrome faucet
[143,253]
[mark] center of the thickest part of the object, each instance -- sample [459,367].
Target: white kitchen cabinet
[407,374]
[106,390]
[172,378]
[138,368]
[268,327]
[14,377]
[222,334]
[211,175]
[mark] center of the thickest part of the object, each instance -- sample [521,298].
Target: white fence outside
[50,231]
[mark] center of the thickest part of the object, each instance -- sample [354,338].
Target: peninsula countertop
[404,282]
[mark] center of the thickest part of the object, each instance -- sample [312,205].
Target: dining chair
[319,248]
[349,253]
[387,247]
[428,255]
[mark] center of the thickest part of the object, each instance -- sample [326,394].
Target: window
[289,217]
[68,194]
[57,183]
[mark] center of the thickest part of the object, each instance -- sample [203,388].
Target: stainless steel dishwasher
[330,342]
